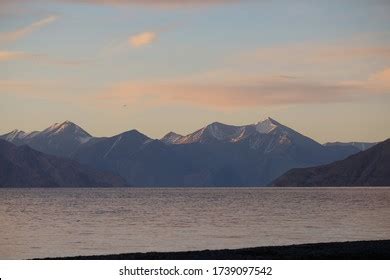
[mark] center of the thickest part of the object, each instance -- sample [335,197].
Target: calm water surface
[66,222]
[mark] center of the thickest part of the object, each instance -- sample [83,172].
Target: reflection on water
[66,222]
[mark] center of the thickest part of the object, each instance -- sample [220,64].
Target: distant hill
[362,146]
[367,168]
[21,166]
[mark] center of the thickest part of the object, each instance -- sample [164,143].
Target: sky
[319,67]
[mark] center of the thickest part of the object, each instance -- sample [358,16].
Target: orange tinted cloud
[246,92]
[169,3]
[49,90]
[231,95]
[10,55]
[307,53]
[40,58]
[381,78]
[31,88]
[13,6]
[142,39]
[221,95]
[24,31]
[377,83]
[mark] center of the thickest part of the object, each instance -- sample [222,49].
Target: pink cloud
[142,39]
[309,53]
[245,92]
[12,55]
[24,31]
[163,3]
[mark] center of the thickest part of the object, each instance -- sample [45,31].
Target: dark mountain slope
[21,166]
[367,168]
[361,146]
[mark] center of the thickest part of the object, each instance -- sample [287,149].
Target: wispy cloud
[139,40]
[158,3]
[142,39]
[40,58]
[31,88]
[13,7]
[309,53]
[6,37]
[18,6]
[14,55]
[58,90]
[247,92]
[377,83]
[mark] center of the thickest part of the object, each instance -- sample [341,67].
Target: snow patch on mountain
[266,126]
[218,131]
[171,138]
[14,135]
[224,133]
[66,129]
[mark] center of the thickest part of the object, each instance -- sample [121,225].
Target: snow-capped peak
[67,128]
[219,131]
[51,128]
[171,138]
[14,134]
[222,132]
[18,132]
[266,126]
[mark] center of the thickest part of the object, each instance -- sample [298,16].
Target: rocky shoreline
[356,250]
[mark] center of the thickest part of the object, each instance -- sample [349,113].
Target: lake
[37,223]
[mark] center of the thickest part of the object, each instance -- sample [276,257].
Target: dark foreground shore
[359,250]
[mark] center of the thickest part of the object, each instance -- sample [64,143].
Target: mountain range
[21,166]
[59,139]
[215,155]
[367,168]
[362,146]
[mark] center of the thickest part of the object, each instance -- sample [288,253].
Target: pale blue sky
[321,67]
